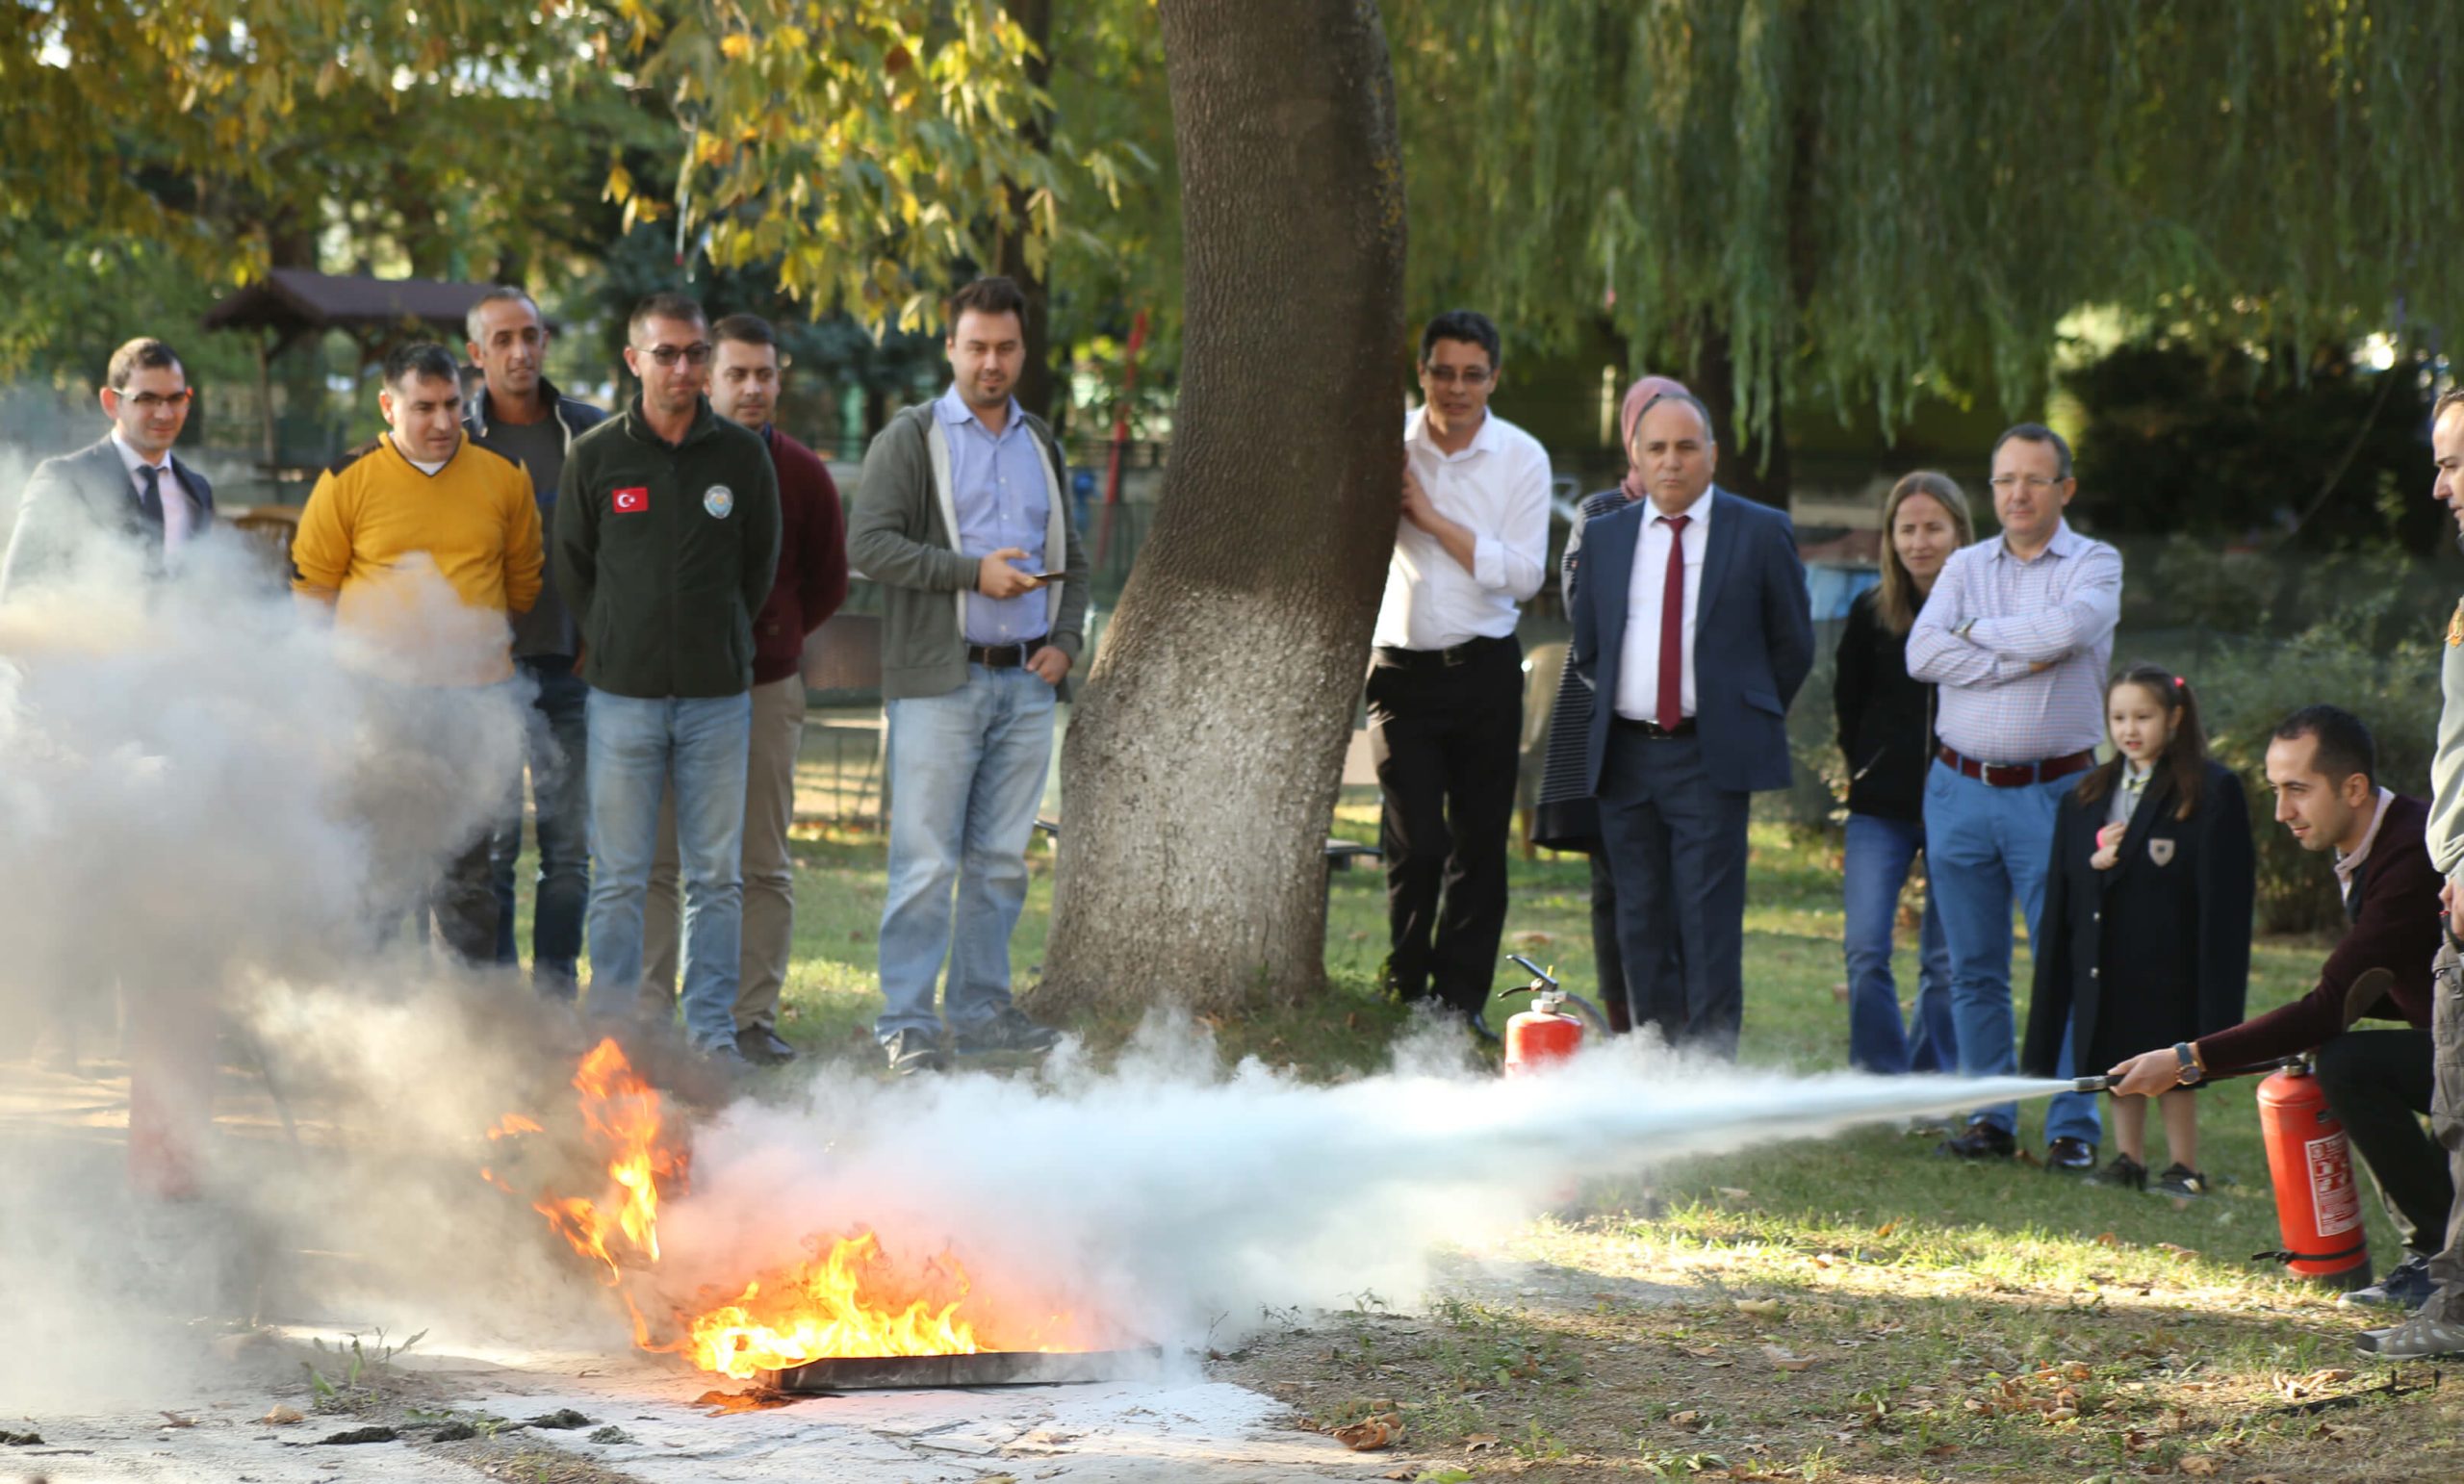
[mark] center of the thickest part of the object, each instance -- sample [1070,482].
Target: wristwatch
[2191,1071]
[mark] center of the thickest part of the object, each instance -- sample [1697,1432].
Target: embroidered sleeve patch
[632,501]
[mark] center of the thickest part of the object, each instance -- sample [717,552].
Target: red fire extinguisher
[2317,1202]
[1545,1034]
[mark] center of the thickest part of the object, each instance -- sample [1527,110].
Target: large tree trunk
[1202,763]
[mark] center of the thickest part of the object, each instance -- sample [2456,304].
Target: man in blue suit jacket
[127,487]
[1693,625]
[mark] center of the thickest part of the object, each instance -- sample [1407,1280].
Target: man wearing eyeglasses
[1446,675]
[127,487]
[2019,633]
[667,544]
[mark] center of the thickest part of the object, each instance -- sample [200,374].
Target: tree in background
[1202,762]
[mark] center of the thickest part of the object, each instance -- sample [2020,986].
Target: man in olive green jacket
[667,542]
[961,516]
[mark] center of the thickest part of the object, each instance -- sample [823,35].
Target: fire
[849,1298]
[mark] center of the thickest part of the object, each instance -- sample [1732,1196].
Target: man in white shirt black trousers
[1446,679]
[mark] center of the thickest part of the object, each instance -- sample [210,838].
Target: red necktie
[1672,627]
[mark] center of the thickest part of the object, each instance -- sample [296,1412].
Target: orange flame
[851,1300]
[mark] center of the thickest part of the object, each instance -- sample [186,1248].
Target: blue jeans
[1985,846]
[558,743]
[966,770]
[636,745]
[1879,851]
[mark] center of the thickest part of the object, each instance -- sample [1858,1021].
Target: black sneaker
[2070,1156]
[2124,1171]
[763,1046]
[915,1051]
[2180,1181]
[1009,1030]
[1982,1141]
[2406,1285]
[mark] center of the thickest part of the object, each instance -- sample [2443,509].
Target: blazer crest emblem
[2160,851]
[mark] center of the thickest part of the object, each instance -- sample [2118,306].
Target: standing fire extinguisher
[2317,1202]
[1544,1035]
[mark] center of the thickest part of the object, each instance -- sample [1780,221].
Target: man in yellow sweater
[421,545]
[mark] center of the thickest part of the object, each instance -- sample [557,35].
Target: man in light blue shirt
[959,516]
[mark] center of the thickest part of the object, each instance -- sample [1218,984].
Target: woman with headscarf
[1566,818]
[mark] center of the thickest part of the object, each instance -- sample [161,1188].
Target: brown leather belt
[1003,656]
[2018,775]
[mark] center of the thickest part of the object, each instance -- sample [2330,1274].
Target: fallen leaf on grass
[2108,1240]
[1785,1361]
[1732,1194]
[174,1419]
[1474,1442]
[1370,1434]
[2181,1254]
[2198,1466]
[1764,1306]
[1942,1450]
[1885,1229]
[283,1416]
[2337,1432]
[1691,1421]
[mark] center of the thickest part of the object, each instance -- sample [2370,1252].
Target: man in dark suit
[127,487]
[1693,625]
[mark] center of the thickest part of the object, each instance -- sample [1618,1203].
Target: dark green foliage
[2227,443]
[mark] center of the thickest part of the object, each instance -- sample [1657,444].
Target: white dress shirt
[1498,486]
[179,509]
[1638,660]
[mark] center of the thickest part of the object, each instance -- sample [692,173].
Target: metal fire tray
[986,1367]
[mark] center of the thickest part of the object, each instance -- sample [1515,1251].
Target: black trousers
[1606,961]
[1446,738]
[2379,1084]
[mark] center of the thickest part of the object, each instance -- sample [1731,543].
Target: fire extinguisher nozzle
[2091,1085]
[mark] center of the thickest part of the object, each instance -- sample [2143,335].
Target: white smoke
[204,800]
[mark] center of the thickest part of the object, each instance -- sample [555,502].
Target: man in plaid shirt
[2019,633]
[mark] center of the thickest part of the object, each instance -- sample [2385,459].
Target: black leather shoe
[2070,1157]
[915,1051]
[1981,1142]
[763,1046]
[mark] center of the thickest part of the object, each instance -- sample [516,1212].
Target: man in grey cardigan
[959,516]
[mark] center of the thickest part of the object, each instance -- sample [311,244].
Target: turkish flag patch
[635,500]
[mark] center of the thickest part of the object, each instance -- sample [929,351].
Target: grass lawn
[1846,1309]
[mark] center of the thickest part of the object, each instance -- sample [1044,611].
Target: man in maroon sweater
[2323,765]
[745,374]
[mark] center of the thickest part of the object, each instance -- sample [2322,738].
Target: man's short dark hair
[2038,432]
[665,304]
[2345,746]
[502,294]
[744,330]
[994,296]
[1689,399]
[145,351]
[423,359]
[1467,326]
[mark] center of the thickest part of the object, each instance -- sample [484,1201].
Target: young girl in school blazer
[2146,919]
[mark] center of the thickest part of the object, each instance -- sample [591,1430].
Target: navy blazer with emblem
[1753,635]
[79,496]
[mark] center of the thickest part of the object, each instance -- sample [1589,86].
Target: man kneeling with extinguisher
[2322,766]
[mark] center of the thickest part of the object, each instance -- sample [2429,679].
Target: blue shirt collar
[952,408]
[2066,542]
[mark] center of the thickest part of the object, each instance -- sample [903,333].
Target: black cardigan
[2147,927]
[1885,718]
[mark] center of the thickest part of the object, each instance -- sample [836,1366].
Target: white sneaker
[2419,1338]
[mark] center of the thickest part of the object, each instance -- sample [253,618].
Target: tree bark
[1202,763]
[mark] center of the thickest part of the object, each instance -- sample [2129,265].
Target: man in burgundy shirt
[2321,764]
[745,374]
